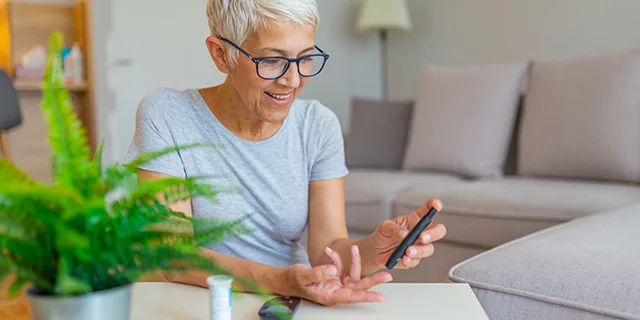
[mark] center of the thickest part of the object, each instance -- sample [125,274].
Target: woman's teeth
[280,97]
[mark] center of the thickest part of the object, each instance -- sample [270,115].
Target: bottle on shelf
[73,65]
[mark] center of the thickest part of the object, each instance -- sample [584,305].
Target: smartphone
[280,308]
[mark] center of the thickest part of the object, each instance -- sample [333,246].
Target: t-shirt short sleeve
[153,133]
[329,162]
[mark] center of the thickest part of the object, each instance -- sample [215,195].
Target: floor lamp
[382,16]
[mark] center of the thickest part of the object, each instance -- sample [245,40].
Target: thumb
[318,274]
[390,229]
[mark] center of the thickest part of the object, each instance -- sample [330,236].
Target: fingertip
[411,251]
[426,237]
[377,297]
[355,250]
[437,204]
[330,272]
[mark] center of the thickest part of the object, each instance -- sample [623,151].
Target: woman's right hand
[322,284]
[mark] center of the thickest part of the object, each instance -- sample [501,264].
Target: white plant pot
[112,304]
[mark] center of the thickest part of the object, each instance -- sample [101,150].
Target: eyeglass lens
[275,67]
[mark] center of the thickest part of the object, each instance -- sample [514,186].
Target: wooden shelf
[33,86]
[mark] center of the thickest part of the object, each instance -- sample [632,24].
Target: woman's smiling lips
[279,99]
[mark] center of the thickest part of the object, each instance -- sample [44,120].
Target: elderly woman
[285,153]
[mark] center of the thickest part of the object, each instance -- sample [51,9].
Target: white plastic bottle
[77,64]
[220,297]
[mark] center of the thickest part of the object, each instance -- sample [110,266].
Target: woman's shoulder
[165,97]
[166,102]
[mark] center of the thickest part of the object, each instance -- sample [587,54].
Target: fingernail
[329,250]
[413,251]
[408,260]
[388,278]
[426,237]
[330,272]
[356,250]
[403,233]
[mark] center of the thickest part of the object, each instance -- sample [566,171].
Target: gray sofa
[551,234]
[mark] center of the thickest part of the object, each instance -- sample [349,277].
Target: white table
[168,301]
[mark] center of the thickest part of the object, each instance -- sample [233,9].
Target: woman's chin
[275,116]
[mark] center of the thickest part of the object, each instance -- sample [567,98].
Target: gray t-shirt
[273,174]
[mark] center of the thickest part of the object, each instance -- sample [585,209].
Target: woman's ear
[218,53]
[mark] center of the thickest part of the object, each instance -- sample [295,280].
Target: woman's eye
[272,61]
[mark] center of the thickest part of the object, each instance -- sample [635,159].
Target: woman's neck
[226,105]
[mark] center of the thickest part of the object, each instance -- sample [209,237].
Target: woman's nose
[291,78]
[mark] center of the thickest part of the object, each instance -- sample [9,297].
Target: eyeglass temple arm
[240,49]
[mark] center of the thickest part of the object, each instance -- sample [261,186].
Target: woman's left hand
[390,234]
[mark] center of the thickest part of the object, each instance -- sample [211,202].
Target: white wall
[153,44]
[481,31]
[101,19]
[353,70]
[174,55]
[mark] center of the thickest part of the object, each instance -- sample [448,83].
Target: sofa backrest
[576,118]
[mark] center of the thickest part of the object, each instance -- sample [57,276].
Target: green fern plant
[95,228]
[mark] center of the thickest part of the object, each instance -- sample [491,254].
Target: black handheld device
[410,239]
[279,308]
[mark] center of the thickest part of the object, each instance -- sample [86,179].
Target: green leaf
[150,156]
[68,285]
[98,156]
[55,196]
[16,287]
[9,172]
[95,228]
[213,231]
[69,238]
[66,136]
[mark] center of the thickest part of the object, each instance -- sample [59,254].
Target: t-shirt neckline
[203,108]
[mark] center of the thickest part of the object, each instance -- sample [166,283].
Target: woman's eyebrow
[284,52]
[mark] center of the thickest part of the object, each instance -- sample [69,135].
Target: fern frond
[98,157]
[150,156]
[97,228]
[67,284]
[10,173]
[70,152]
[50,196]
[208,231]
[20,257]
[172,189]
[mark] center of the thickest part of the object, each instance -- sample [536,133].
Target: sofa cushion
[463,119]
[369,194]
[490,213]
[583,269]
[580,119]
[370,147]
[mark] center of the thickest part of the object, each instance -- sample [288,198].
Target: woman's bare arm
[266,277]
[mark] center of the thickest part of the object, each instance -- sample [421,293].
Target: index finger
[434,203]
[415,216]
[431,203]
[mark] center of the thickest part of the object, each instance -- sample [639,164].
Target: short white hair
[237,20]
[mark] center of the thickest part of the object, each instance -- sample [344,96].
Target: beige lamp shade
[377,15]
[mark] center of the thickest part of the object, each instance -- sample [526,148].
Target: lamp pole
[383,68]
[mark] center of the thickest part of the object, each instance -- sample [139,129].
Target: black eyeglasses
[273,67]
